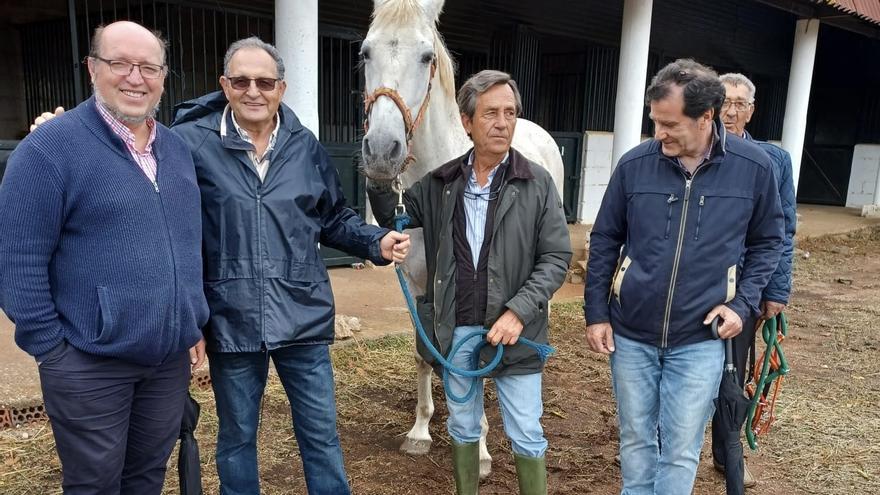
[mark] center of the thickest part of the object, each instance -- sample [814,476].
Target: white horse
[418,124]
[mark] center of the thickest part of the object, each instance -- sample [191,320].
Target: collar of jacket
[518,168]
[212,105]
[719,147]
[748,137]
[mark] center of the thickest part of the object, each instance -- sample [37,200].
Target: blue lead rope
[401,220]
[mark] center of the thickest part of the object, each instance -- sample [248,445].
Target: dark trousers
[115,423]
[742,345]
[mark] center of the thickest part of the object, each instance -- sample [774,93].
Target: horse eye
[365,54]
[427,58]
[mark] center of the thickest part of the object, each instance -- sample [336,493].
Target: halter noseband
[409,124]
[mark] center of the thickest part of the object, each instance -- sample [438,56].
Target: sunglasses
[242,83]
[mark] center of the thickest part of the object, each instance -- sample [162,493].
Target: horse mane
[391,14]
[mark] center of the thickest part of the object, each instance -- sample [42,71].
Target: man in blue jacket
[101,270]
[678,214]
[736,112]
[270,195]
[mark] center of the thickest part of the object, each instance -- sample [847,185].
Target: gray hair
[481,82]
[736,79]
[254,42]
[701,88]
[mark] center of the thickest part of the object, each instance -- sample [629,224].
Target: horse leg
[418,440]
[485,458]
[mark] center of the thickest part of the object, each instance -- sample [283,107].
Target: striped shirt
[261,163]
[146,160]
[476,205]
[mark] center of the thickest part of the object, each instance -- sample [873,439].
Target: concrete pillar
[800,79]
[631,76]
[296,36]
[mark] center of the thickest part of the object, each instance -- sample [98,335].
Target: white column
[296,37]
[794,127]
[631,76]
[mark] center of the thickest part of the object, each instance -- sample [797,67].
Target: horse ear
[432,8]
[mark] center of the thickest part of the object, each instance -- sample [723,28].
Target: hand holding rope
[401,220]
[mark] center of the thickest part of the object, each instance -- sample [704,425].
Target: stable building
[582,68]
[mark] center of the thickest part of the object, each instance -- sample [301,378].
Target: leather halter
[409,124]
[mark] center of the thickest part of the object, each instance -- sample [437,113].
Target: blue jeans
[239,379]
[667,390]
[518,395]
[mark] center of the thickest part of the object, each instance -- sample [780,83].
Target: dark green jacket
[528,255]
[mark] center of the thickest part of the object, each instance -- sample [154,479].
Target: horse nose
[388,150]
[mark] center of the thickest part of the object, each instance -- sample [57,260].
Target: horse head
[400,61]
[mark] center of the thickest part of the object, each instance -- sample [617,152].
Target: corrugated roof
[868,10]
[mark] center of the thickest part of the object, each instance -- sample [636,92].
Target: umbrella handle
[728,345]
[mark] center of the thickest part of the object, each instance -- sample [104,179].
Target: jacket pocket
[699,217]
[106,324]
[731,284]
[652,210]
[718,207]
[618,279]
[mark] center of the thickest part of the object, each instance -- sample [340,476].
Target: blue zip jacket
[92,252]
[779,287]
[665,249]
[265,281]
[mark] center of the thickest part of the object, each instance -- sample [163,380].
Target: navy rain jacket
[666,249]
[779,288]
[265,281]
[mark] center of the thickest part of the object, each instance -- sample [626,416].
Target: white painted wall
[595,173]
[863,185]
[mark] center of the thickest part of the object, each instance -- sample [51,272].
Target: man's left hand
[197,355]
[731,323]
[769,309]
[506,329]
[394,246]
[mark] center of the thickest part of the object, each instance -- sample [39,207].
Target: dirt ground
[826,440]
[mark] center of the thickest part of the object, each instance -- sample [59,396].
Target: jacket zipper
[444,200]
[176,334]
[260,261]
[678,246]
[699,217]
[672,199]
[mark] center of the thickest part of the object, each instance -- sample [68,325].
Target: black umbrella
[188,467]
[732,406]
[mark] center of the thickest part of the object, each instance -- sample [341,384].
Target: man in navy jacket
[270,196]
[665,252]
[736,112]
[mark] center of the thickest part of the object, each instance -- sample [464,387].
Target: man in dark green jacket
[497,248]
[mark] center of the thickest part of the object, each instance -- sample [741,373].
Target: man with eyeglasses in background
[101,270]
[270,195]
[736,112]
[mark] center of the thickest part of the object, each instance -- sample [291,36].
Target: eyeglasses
[739,105]
[123,68]
[242,83]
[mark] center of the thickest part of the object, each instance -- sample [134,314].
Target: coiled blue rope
[401,220]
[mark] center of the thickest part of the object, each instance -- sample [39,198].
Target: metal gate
[570,147]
